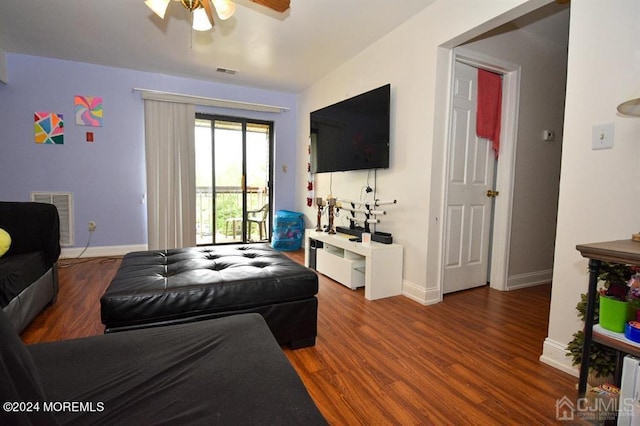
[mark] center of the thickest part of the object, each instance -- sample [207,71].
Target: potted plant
[602,358]
[620,297]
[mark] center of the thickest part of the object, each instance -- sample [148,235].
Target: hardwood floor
[472,359]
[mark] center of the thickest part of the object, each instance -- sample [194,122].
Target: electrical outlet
[92,226]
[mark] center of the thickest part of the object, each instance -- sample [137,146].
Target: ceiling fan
[202,10]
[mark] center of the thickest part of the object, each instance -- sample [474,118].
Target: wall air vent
[226,71]
[64,202]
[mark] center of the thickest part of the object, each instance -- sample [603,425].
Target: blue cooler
[288,230]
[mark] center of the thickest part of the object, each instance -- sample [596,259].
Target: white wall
[407,58]
[599,191]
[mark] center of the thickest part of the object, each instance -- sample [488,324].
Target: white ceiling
[284,52]
[550,22]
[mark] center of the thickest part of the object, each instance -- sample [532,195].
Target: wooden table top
[618,251]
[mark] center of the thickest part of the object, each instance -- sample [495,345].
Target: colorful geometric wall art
[88,111]
[49,128]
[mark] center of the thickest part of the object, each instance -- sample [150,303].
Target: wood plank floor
[472,359]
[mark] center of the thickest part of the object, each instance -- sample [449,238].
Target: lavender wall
[107,177]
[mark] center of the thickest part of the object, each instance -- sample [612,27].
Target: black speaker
[314,245]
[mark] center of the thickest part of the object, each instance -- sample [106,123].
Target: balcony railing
[226,221]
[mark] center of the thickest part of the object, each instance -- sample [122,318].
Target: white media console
[376,266]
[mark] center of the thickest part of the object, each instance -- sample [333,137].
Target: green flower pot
[614,313]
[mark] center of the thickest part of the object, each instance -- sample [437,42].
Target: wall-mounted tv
[352,134]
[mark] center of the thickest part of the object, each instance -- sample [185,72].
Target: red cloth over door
[489,107]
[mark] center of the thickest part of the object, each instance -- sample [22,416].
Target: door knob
[492,194]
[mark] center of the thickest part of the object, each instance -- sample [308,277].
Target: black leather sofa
[160,287]
[28,271]
[227,371]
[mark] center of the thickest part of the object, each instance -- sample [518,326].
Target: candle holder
[320,205]
[332,203]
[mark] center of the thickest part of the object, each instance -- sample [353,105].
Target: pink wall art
[88,110]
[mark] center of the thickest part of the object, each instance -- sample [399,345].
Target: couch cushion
[227,371]
[18,272]
[19,380]
[33,227]
[161,285]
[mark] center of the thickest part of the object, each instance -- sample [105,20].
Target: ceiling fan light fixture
[191,5]
[201,20]
[202,16]
[224,8]
[159,7]
[630,108]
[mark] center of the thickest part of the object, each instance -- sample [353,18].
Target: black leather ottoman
[160,287]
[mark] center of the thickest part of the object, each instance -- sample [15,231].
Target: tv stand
[377,267]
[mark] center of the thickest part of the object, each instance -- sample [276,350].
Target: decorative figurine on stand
[320,205]
[332,203]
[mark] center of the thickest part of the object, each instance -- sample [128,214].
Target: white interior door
[470,175]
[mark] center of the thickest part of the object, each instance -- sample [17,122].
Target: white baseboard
[515,282]
[419,294]
[106,251]
[555,355]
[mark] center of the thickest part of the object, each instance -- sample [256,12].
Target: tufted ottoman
[160,287]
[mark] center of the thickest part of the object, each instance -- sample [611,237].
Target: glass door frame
[244,122]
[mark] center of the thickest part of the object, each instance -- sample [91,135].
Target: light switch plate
[602,136]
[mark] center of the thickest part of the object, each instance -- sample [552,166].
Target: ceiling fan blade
[277,5]
[206,4]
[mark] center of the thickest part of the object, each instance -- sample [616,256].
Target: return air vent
[64,203]
[226,71]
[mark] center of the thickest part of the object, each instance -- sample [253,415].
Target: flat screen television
[352,134]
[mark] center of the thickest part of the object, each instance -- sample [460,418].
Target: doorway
[233,179]
[487,259]
[470,189]
[522,241]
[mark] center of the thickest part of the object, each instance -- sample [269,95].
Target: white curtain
[171,189]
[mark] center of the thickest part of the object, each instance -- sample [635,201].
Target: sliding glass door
[233,179]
